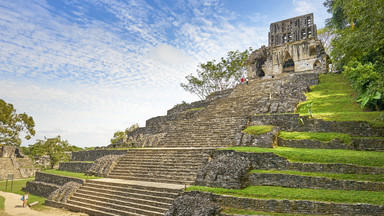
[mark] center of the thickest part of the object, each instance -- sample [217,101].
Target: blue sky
[87,68]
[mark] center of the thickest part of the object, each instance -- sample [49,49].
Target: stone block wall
[239,164]
[361,144]
[56,179]
[41,188]
[297,181]
[46,183]
[23,168]
[6,167]
[291,122]
[75,166]
[281,206]
[93,155]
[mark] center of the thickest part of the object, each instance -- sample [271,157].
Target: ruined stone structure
[293,29]
[12,161]
[179,149]
[293,47]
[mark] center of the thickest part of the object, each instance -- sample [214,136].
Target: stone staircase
[218,124]
[122,197]
[171,165]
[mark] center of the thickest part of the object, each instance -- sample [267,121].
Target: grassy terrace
[70,174]
[323,137]
[356,177]
[272,192]
[334,100]
[360,158]
[257,130]
[18,184]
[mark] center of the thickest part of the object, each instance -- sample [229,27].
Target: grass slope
[2,200]
[17,189]
[273,192]
[257,130]
[323,137]
[360,158]
[334,100]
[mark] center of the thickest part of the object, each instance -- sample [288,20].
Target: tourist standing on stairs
[25,199]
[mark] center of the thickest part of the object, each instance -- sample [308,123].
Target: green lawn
[334,100]
[2,200]
[273,192]
[257,130]
[17,186]
[361,158]
[323,137]
[356,177]
[70,174]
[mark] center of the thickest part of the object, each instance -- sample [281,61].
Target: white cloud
[303,7]
[87,76]
[168,54]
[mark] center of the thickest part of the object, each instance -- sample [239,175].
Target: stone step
[153,175]
[119,204]
[111,208]
[196,156]
[162,170]
[139,194]
[157,165]
[80,208]
[172,181]
[167,162]
[158,187]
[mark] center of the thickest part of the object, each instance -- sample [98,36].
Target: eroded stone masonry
[293,47]
[151,181]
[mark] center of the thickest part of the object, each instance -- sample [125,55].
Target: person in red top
[242,80]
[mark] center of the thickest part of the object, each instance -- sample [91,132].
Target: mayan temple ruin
[150,172]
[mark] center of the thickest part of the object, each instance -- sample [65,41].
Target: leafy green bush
[367,80]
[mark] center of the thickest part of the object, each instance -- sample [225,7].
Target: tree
[12,124]
[123,135]
[358,46]
[326,35]
[217,76]
[56,148]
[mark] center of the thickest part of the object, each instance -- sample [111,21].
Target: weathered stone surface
[64,192]
[56,179]
[75,166]
[266,140]
[41,188]
[194,203]
[103,166]
[291,206]
[269,160]
[295,122]
[297,181]
[361,144]
[92,155]
[227,171]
